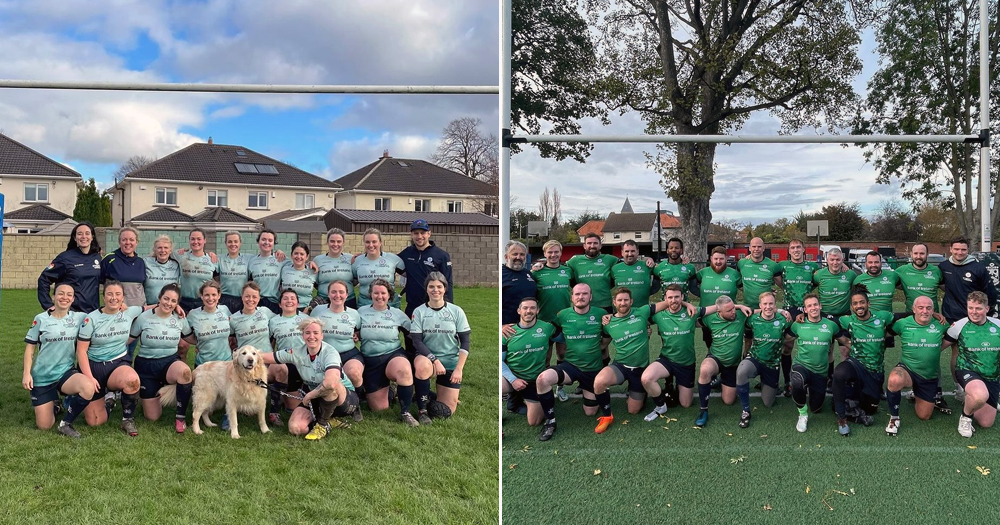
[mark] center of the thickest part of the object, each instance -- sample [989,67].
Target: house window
[166,196]
[258,200]
[218,198]
[383,204]
[36,193]
[491,209]
[638,235]
[422,205]
[616,235]
[454,206]
[304,201]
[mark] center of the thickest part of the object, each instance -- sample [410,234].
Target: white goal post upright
[983,138]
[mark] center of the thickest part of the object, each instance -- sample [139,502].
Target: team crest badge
[34,323]
[777,323]
[51,265]
[539,329]
[877,322]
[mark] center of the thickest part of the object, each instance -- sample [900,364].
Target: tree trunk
[695,173]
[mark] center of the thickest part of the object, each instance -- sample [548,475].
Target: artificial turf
[378,471]
[670,471]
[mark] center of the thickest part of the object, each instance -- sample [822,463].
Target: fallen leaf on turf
[666,428]
[526,448]
[763,436]
[972,447]
[556,452]
[625,422]
[668,505]
[807,489]
[983,470]
[818,446]
[852,491]
[669,419]
[696,427]
[513,465]
[737,460]
[597,472]
[728,434]
[767,507]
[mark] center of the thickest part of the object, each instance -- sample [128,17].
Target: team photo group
[802,327]
[315,338]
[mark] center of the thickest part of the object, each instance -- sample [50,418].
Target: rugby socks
[362,393]
[660,400]
[128,405]
[75,406]
[604,401]
[183,398]
[893,399]
[829,372]
[966,415]
[703,392]
[786,367]
[324,409]
[422,388]
[278,388]
[548,402]
[405,395]
[743,391]
[803,410]
[606,361]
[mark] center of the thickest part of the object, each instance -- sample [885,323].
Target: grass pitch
[670,471]
[378,471]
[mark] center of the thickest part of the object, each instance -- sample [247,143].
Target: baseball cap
[419,224]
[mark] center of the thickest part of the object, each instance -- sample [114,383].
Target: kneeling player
[726,327]
[766,330]
[922,341]
[523,357]
[813,337]
[857,381]
[976,369]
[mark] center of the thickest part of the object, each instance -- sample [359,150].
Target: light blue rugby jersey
[233,273]
[380,330]
[367,270]
[108,333]
[159,275]
[334,269]
[212,331]
[55,340]
[440,328]
[252,329]
[338,327]
[158,336]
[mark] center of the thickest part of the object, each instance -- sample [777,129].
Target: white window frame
[638,235]
[454,206]
[166,191]
[258,194]
[421,205]
[383,203]
[36,186]
[218,195]
[310,197]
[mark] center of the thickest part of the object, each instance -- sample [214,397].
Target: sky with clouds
[754,182]
[418,42]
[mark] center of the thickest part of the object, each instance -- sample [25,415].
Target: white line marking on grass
[620,449]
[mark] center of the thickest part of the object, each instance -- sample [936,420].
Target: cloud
[346,156]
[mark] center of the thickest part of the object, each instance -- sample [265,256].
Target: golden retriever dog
[232,384]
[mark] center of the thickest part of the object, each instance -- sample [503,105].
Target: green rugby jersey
[441,328]
[629,335]
[527,349]
[812,343]
[834,290]
[669,273]
[727,337]
[158,336]
[334,269]
[380,330]
[312,368]
[195,271]
[212,331]
[918,283]
[55,340]
[159,275]
[582,333]
[234,272]
[921,345]
[768,338]
[714,285]
[978,346]
[595,272]
[252,329]
[285,331]
[636,277]
[302,281]
[797,280]
[107,333]
[338,327]
[554,289]
[758,277]
[881,288]
[677,333]
[266,272]
[868,338]
[367,270]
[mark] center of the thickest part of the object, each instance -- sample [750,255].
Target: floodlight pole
[505,127]
[984,128]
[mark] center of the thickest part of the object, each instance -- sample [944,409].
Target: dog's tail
[168,395]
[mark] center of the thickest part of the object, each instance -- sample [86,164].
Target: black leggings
[805,380]
[848,385]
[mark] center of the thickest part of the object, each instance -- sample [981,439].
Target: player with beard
[797,278]
[922,340]
[978,367]
[523,357]
[634,274]
[516,281]
[715,281]
[675,270]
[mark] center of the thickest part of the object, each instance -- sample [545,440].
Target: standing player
[161,269]
[962,275]
[554,280]
[813,336]
[522,358]
[633,274]
[594,269]
[420,259]
[673,269]
[919,279]
[833,286]
[978,365]
[715,281]
[727,327]
[797,278]
[766,330]
[758,273]
[376,264]
[857,381]
[234,272]
[516,281]
[334,265]
[921,339]
[881,284]
[265,270]
[197,266]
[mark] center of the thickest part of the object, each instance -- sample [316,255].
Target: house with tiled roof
[592,226]
[639,227]
[208,175]
[391,184]
[38,191]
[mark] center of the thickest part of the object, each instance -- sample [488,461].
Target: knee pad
[590,402]
[797,380]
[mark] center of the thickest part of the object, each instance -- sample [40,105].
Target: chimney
[209,141]
[385,154]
